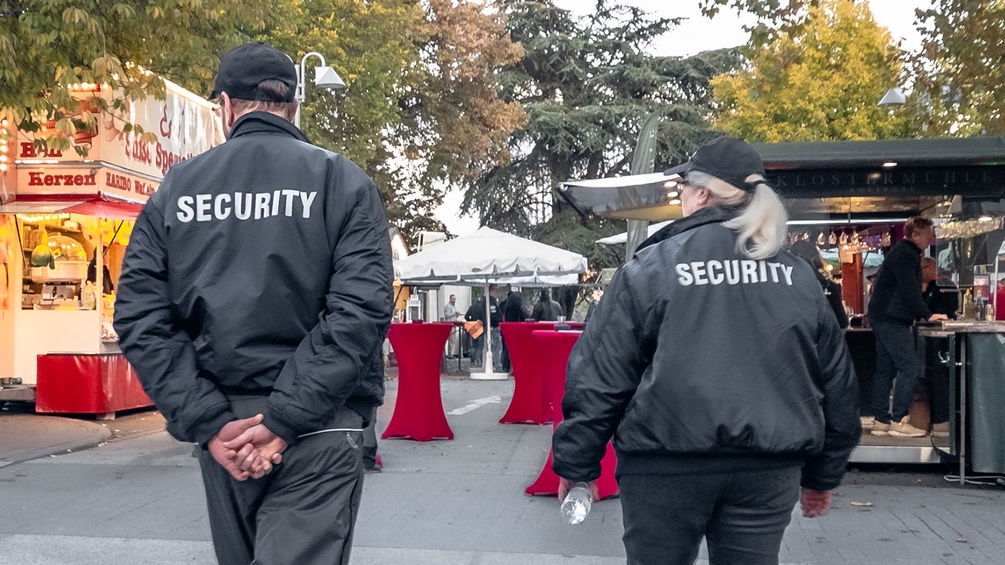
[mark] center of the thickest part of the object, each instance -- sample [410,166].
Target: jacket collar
[254,123]
[914,246]
[709,215]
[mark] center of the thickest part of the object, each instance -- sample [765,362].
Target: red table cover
[555,347]
[87,384]
[418,410]
[529,403]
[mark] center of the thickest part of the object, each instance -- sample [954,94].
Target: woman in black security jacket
[718,363]
[832,290]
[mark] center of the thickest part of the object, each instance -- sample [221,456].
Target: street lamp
[324,77]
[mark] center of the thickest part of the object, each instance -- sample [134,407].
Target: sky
[696,34]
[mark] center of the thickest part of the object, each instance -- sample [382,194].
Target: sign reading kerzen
[62,180]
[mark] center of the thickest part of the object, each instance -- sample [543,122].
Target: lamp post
[324,77]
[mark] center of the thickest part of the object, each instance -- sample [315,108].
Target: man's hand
[565,485]
[228,432]
[255,450]
[814,502]
[937,317]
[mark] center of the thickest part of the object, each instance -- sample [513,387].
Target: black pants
[370,443]
[302,512]
[742,515]
[896,358]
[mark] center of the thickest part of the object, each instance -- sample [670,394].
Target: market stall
[490,256]
[851,199]
[65,222]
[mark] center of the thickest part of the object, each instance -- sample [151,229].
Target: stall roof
[875,153]
[826,179]
[100,205]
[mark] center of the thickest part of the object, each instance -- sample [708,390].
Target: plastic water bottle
[577,504]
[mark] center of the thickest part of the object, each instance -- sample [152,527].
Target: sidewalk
[25,435]
[457,502]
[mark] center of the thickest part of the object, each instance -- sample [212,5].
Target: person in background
[941,295]
[254,298]
[450,309]
[513,311]
[895,305]
[477,312]
[450,314]
[595,297]
[808,252]
[718,368]
[546,309]
[106,277]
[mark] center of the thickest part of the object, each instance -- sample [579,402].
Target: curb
[42,436]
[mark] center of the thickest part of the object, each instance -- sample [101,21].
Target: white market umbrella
[490,256]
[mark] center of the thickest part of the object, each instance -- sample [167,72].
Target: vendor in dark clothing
[941,295]
[895,305]
[832,290]
[106,278]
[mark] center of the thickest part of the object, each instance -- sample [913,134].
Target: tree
[374,46]
[422,107]
[456,123]
[958,76]
[773,16]
[48,45]
[819,83]
[587,85]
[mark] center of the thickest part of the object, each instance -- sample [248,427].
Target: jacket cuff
[205,430]
[280,428]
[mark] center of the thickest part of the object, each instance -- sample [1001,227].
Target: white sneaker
[880,429]
[903,428]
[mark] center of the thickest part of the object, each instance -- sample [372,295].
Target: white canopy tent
[490,256]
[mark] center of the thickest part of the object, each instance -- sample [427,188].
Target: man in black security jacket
[716,364]
[254,297]
[895,305]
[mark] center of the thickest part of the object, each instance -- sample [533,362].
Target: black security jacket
[693,354]
[262,266]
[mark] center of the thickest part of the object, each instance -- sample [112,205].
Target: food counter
[975,354]
[65,220]
[62,350]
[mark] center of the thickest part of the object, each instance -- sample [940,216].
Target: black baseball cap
[245,66]
[726,158]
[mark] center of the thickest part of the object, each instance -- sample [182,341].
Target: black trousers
[370,442]
[742,515]
[897,368]
[302,512]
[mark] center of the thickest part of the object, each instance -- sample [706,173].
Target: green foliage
[587,86]
[48,45]
[421,108]
[774,17]
[959,78]
[822,82]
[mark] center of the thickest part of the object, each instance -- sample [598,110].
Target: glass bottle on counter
[968,306]
[979,307]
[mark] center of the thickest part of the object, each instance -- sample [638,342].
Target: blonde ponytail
[761,226]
